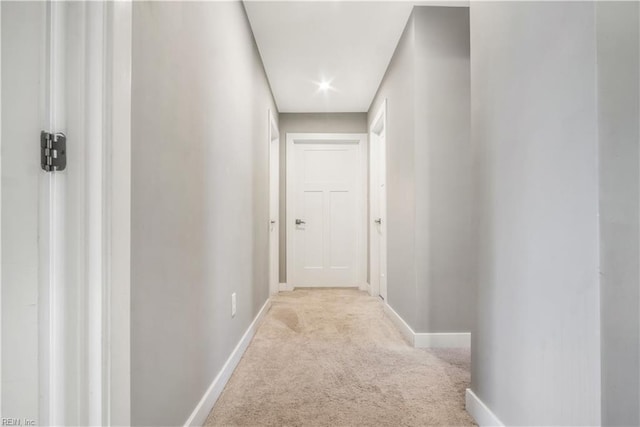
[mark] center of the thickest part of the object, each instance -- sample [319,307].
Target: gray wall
[308,123]
[397,88]
[430,258]
[536,346]
[618,133]
[199,199]
[444,258]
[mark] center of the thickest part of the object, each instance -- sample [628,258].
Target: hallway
[339,213]
[332,357]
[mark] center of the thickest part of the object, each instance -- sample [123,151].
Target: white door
[37,298]
[274,203]
[325,210]
[378,205]
[23,28]
[381,222]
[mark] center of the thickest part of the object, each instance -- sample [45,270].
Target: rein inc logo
[18,422]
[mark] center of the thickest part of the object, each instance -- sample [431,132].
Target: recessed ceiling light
[324,86]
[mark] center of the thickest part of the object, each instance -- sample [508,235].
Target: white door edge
[378,127]
[362,141]
[274,135]
[51,328]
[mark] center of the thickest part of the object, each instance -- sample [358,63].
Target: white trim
[428,339]
[51,293]
[274,135]
[274,132]
[108,211]
[376,131]
[480,412]
[404,328]
[380,120]
[208,400]
[319,138]
[117,306]
[97,212]
[284,287]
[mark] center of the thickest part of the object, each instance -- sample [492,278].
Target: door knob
[378,221]
[299,222]
[273,221]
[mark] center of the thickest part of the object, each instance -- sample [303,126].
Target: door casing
[274,203]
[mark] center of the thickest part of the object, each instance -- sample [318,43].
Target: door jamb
[107,212]
[378,127]
[362,140]
[117,194]
[274,134]
[51,290]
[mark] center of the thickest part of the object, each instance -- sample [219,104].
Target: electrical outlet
[233,304]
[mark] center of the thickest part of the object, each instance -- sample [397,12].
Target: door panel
[382,209]
[23,28]
[378,207]
[341,208]
[274,201]
[311,240]
[326,197]
[327,165]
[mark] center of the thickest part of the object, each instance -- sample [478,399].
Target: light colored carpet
[331,357]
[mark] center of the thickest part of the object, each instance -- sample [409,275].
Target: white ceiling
[346,43]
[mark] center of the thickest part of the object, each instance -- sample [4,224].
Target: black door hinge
[53,151]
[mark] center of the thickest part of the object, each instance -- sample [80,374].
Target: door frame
[361,244]
[106,209]
[274,190]
[377,132]
[107,214]
[116,342]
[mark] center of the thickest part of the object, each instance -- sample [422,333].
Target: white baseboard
[405,329]
[425,339]
[204,407]
[480,412]
[284,287]
[365,287]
